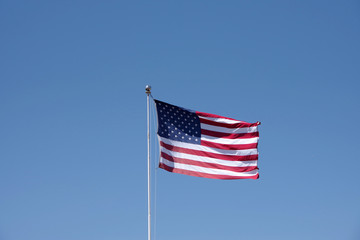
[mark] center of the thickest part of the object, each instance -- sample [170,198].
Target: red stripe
[229,146]
[205,175]
[207,165]
[209,154]
[229,135]
[203,114]
[228,125]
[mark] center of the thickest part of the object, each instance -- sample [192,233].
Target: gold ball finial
[148,89]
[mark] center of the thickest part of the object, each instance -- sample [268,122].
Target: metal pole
[148,92]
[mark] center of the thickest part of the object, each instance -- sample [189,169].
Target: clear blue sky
[73,117]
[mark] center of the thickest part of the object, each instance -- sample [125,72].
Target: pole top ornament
[148,89]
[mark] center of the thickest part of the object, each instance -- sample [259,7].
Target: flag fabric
[206,145]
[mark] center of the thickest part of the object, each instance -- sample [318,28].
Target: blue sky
[73,117]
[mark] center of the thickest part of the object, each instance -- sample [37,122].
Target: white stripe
[221,120]
[210,160]
[209,149]
[228,130]
[208,170]
[229,141]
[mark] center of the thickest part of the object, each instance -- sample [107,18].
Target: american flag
[206,145]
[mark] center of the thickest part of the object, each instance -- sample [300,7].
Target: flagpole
[148,92]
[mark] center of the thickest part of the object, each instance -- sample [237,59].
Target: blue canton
[176,123]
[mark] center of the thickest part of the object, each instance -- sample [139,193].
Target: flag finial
[148,89]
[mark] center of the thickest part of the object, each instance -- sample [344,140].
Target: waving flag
[206,145]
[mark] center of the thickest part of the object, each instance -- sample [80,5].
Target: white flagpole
[148,92]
